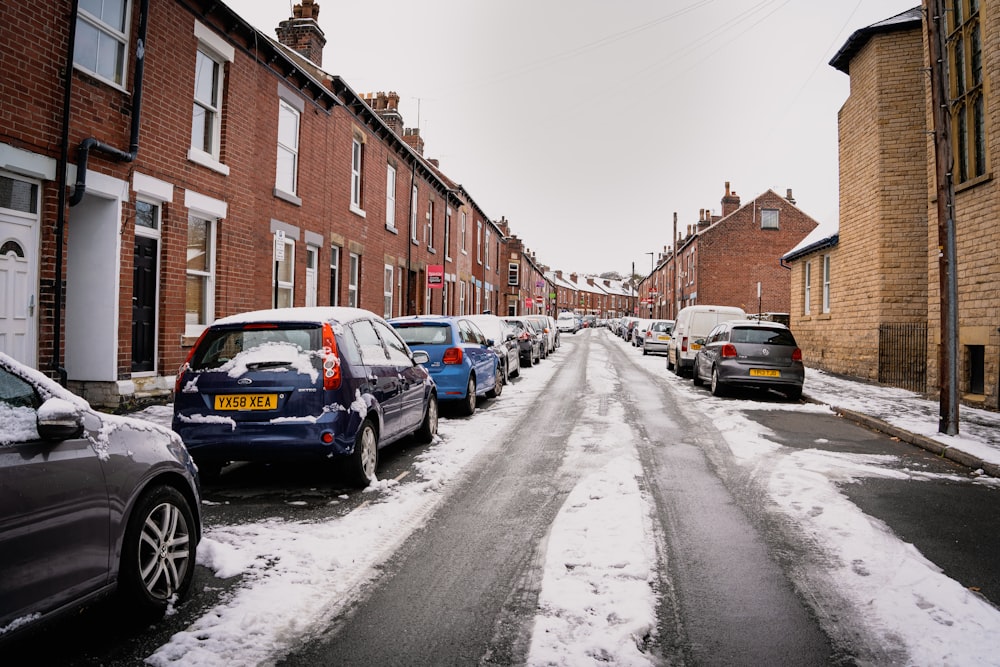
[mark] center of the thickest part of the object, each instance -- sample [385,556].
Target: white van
[692,323]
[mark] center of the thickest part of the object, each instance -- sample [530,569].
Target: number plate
[246,402]
[761,372]
[662,337]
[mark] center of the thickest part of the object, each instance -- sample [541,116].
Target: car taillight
[187,363]
[684,343]
[728,350]
[649,334]
[331,362]
[453,355]
[525,336]
[797,355]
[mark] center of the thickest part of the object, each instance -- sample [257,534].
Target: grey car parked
[528,339]
[90,504]
[505,343]
[748,353]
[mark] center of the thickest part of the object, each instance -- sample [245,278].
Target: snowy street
[600,511]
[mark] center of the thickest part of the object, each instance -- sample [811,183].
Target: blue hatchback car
[301,384]
[462,361]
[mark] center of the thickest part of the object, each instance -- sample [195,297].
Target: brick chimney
[730,202]
[386,105]
[302,33]
[411,135]
[789,197]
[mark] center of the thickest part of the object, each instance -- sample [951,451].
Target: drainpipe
[409,238]
[61,185]
[83,153]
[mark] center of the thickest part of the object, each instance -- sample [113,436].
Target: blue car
[302,384]
[462,361]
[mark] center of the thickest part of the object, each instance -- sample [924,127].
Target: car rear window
[762,336]
[221,346]
[424,334]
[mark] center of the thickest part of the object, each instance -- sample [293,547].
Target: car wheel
[670,366]
[364,459]
[794,393]
[497,385]
[429,426]
[644,352]
[517,370]
[717,388]
[468,405]
[158,554]
[695,378]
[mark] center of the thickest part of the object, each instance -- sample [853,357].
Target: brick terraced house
[164,164]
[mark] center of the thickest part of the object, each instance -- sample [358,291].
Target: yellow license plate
[696,346]
[246,402]
[663,337]
[761,372]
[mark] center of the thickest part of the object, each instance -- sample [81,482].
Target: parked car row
[94,504]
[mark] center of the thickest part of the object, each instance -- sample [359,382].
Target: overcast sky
[588,124]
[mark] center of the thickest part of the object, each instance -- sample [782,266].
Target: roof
[908,20]
[826,235]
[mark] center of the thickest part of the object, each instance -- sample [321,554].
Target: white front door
[19,270]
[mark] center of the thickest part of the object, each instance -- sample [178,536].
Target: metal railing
[902,355]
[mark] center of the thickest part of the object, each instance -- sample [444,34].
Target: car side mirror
[59,420]
[421,357]
[490,342]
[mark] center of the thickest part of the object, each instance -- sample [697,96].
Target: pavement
[912,418]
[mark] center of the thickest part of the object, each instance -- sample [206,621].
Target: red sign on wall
[435,276]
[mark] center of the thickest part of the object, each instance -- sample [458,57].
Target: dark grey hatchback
[90,504]
[750,353]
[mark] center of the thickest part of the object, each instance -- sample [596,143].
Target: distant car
[639,332]
[548,329]
[657,338]
[529,340]
[462,363]
[90,504]
[748,353]
[692,324]
[302,384]
[539,329]
[568,322]
[505,343]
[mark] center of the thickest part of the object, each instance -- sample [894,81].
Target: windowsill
[288,197]
[358,211]
[824,316]
[414,241]
[972,182]
[447,258]
[206,160]
[432,251]
[392,230]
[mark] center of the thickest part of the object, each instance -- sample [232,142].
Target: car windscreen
[661,327]
[421,333]
[273,344]
[762,336]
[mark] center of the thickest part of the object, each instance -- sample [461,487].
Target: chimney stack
[730,202]
[789,197]
[302,33]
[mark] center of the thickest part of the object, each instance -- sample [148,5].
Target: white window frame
[206,276]
[357,174]
[463,234]
[387,284]
[390,197]
[513,274]
[284,287]
[461,298]
[447,233]
[826,283]
[429,229]
[807,296]
[218,51]
[286,177]
[769,218]
[413,215]
[354,280]
[104,32]
[312,275]
[488,235]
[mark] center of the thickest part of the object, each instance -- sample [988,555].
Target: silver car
[90,504]
[657,338]
[748,353]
